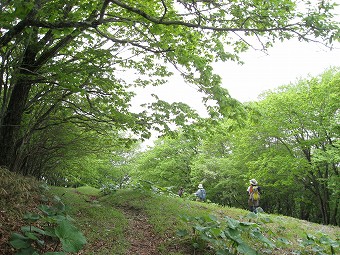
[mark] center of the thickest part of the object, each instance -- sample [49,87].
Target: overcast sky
[285,63]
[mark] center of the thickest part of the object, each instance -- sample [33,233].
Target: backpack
[202,194]
[254,193]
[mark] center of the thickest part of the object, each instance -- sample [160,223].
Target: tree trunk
[11,122]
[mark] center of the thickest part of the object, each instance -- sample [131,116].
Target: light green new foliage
[66,63]
[297,126]
[168,163]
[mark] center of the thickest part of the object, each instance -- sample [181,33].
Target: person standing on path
[201,193]
[180,192]
[254,192]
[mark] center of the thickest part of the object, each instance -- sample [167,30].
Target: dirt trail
[140,233]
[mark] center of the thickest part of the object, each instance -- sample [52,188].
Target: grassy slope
[18,195]
[104,221]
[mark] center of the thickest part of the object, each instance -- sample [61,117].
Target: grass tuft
[18,195]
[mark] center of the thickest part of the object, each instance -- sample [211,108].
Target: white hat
[200,186]
[253,182]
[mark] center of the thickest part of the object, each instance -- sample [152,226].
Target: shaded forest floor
[130,222]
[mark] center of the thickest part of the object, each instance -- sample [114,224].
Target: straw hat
[253,182]
[200,186]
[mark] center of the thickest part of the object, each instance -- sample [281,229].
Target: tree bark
[11,122]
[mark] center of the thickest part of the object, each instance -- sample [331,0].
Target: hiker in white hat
[200,193]
[254,192]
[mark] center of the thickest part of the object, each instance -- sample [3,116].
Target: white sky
[285,63]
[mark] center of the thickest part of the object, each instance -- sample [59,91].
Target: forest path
[140,233]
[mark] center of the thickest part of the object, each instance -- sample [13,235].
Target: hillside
[140,222]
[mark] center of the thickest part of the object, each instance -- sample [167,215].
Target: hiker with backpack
[254,192]
[200,193]
[180,192]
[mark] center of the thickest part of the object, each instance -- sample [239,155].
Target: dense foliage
[289,142]
[68,69]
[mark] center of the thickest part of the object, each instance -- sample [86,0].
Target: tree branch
[125,41]
[197,25]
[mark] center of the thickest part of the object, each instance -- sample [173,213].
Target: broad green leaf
[246,249]
[284,240]
[31,236]
[27,251]
[19,241]
[32,217]
[20,244]
[71,238]
[18,236]
[233,234]
[48,210]
[217,231]
[257,234]
[233,224]
[182,233]
[201,228]
[33,229]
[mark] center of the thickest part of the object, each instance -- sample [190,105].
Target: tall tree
[168,163]
[73,55]
[300,131]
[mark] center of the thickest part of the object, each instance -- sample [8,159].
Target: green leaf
[246,249]
[182,232]
[233,234]
[27,251]
[196,245]
[19,241]
[200,228]
[262,238]
[59,204]
[310,237]
[247,224]
[31,236]
[32,217]
[71,238]
[18,236]
[33,229]
[50,231]
[252,215]
[58,218]
[20,244]
[206,237]
[48,210]
[213,218]
[284,240]
[217,232]
[233,224]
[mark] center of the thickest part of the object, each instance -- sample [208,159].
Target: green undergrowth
[102,225]
[103,222]
[16,190]
[183,226]
[18,195]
